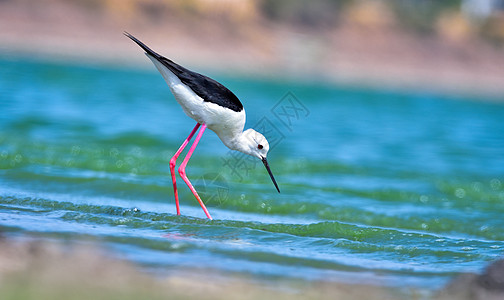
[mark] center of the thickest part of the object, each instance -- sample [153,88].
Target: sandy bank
[33,269]
[37,269]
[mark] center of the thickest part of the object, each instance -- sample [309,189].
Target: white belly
[223,121]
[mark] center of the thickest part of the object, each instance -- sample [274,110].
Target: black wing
[207,88]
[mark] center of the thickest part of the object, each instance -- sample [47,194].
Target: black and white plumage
[207,88]
[211,105]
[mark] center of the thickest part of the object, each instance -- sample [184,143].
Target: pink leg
[173,161]
[182,171]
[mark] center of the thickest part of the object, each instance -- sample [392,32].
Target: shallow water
[393,188]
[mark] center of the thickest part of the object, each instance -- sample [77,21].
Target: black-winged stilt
[211,105]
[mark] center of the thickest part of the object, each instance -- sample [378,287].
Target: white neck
[237,142]
[249,142]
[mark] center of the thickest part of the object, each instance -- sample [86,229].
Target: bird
[212,106]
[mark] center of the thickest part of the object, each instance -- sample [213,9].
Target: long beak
[265,162]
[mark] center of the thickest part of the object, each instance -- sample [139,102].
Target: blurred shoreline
[37,269]
[366,52]
[31,268]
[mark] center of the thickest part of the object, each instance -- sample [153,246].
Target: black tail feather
[143,46]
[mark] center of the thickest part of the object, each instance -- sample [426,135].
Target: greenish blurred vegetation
[455,19]
[317,13]
[423,15]
[450,19]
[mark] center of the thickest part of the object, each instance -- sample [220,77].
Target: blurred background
[384,120]
[454,45]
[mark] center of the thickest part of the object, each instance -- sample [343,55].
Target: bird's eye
[259,146]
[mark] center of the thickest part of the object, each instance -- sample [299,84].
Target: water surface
[393,188]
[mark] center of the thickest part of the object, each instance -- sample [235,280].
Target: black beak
[265,162]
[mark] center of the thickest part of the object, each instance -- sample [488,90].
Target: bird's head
[255,144]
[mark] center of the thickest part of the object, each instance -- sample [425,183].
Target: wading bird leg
[173,162]
[183,173]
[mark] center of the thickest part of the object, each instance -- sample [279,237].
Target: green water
[394,188]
